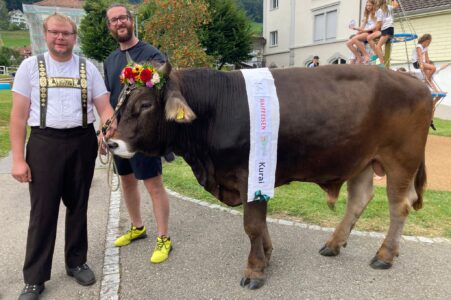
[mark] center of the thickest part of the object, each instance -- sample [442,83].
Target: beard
[61,53]
[124,38]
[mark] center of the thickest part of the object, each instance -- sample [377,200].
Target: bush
[14,27]
[9,57]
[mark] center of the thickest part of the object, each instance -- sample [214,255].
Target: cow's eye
[146,105]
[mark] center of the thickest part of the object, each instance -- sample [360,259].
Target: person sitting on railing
[420,60]
[368,25]
[384,28]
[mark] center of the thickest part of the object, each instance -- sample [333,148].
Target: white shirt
[63,104]
[386,19]
[370,23]
[415,55]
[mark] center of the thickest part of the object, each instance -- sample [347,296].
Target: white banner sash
[264,131]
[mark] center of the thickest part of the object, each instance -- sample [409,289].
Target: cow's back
[334,118]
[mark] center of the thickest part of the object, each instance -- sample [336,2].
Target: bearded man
[140,166]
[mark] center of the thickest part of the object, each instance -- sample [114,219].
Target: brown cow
[337,124]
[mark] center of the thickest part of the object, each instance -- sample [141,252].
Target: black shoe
[82,274]
[31,291]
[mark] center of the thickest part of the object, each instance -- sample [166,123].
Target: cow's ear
[165,69]
[177,109]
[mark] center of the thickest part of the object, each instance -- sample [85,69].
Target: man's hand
[21,171]
[111,130]
[102,146]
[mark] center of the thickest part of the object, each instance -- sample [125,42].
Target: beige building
[420,17]
[296,30]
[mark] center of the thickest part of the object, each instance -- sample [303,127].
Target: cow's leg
[360,192]
[401,196]
[261,248]
[267,244]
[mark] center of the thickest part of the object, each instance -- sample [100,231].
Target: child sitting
[368,25]
[420,60]
[384,28]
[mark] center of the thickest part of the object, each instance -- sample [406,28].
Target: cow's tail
[420,184]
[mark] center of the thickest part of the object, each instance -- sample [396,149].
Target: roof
[418,6]
[62,3]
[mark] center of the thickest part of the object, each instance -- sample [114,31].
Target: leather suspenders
[84,91]
[46,82]
[42,90]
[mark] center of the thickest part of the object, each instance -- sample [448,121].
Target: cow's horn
[129,58]
[165,69]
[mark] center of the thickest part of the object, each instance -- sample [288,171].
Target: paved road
[210,254]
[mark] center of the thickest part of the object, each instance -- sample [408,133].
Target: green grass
[443,127]
[5,109]
[306,202]
[303,202]
[14,39]
[257,28]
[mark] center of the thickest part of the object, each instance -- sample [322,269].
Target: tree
[253,8]
[95,39]
[4,17]
[173,28]
[9,57]
[228,36]
[17,4]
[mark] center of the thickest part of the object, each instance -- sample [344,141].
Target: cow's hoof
[379,264]
[326,251]
[256,283]
[245,281]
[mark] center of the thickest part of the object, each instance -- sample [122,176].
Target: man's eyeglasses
[122,18]
[65,34]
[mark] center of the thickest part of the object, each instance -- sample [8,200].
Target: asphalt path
[210,253]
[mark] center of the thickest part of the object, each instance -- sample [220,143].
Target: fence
[7,70]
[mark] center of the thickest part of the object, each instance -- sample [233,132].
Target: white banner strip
[264,131]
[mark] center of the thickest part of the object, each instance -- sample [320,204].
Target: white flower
[155,78]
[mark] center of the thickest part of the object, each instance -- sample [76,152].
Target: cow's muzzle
[119,148]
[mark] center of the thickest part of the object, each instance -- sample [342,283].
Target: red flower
[128,73]
[145,75]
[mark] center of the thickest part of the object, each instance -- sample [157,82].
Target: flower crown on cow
[142,75]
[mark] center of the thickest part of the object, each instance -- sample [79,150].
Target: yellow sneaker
[130,236]
[162,249]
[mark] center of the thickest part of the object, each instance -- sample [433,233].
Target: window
[338,61]
[273,38]
[274,4]
[325,27]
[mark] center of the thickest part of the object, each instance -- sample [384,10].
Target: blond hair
[369,14]
[382,4]
[61,18]
[425,37]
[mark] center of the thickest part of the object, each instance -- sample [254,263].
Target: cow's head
[146,115]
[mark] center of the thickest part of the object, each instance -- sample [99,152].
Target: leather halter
[123,96]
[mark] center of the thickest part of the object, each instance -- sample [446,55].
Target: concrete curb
[109,288]
[379,235]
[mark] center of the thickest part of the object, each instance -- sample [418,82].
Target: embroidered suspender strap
[42,89]
[84,91]
[61,82]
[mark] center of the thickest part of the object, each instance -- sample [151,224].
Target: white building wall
[297,17]
[277,20]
